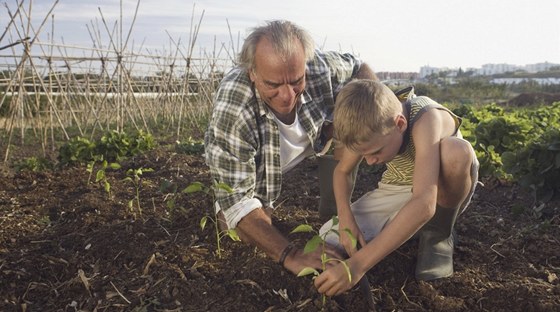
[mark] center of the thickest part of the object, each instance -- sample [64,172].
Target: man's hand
[298,260]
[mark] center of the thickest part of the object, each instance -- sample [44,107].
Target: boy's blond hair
[364,108]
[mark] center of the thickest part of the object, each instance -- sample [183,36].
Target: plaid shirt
[242,141]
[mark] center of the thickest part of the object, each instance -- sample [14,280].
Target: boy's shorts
[378,207]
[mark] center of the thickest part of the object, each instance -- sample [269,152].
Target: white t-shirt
[295,145]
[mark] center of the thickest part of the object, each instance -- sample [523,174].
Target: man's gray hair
[281,34]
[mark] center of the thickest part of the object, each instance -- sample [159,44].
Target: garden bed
[67,245]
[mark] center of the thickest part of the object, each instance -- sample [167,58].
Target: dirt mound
[536,98]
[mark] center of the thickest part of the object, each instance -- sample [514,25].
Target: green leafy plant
[190,146]
[112,146]
[33,164]
[169,189]
[231,233]
[115,145]
[135,177]
[77,150]
[537,166]
[100,175]
[318,241]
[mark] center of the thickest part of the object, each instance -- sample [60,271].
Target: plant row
[520,145]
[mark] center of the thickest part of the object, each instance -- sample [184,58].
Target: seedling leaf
[99,176]
[224,186]
[307,271]
[312,244]
[352,238]
[194,187]
[203,222]
[233,235]
[302,228]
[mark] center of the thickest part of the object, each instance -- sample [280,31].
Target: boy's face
[383,148]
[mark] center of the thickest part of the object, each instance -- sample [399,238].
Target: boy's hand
[350,224]
[334,280]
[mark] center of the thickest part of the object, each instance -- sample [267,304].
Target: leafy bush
[33,164]
[77,150]
[537,166]
[113,146]
[116,145]
[505,133]
[494,131]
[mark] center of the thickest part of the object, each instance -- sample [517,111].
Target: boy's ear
[401,123]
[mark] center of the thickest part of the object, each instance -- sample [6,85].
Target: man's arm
[257,229]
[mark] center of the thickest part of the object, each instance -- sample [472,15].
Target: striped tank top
[401,168]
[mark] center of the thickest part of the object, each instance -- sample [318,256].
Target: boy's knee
[456,155]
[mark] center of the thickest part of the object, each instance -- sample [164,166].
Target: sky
[390,35]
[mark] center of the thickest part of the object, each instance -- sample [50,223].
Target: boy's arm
[342,187]
[427,133]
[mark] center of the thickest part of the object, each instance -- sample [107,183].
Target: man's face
[278,80]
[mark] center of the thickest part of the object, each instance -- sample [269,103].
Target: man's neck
[286,119]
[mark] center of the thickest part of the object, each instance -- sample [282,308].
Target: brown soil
[66,245]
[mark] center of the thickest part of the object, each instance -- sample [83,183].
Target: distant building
[426,71]
[489,69]
[397,75]
[495,69]
[540,67]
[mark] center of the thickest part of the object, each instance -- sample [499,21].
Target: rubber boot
[437,238]
[435,248]
[327,202]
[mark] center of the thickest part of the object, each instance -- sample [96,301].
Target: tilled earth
[68,245]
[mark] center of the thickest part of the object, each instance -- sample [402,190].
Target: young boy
[430,178]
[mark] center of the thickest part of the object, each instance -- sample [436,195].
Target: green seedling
[169,188]
[231,233]
[100,175]
[318,241]
[135,177]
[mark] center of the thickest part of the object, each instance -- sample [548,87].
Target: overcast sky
[391,35]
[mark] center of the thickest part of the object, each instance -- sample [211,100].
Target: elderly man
[270,113]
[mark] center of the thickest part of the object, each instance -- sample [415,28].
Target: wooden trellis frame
[50,87]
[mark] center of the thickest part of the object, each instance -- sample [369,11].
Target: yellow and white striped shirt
[401,168]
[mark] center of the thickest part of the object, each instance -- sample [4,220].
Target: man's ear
[252,75]
[401,123]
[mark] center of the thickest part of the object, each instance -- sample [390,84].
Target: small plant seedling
[100,175]
[318,240]
[231,233]
[169,188]
[135,176]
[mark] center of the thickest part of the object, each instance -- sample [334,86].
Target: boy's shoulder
[418,102]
